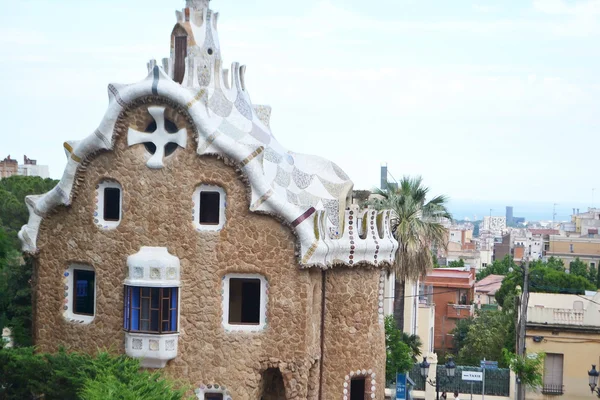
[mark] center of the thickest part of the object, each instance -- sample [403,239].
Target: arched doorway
[272,385]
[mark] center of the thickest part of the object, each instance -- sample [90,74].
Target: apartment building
[567,329]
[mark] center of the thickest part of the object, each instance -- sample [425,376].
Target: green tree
[529,369]
[15,273]
[399,357]
[485,337]
[414,343]
[416,224]
[457,264]
[593,275]
[498,267]
[555,263]
[578,268]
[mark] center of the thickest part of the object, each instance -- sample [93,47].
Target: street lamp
[450,371]
[593,375]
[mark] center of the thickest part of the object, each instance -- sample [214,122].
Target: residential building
[452,291]
[568,248]
[31,168]
[567,328]
[194,241]
[8,167]
[485,291]
[496,225]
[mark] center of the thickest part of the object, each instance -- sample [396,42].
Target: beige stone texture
[157,211]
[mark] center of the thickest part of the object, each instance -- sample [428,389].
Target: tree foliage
[416,224]
[498,267]
[399,356]
[529,369]
[15,273]
[25,374]
[483,337]
[544,278]
[457,264]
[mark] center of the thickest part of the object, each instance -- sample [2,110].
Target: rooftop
[490,284]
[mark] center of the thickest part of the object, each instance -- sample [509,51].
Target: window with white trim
[109,200]
[80,294]
[209,208]
[244,302]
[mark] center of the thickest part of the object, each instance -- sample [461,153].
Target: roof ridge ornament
[197,4]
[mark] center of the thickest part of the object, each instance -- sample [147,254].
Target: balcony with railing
[561,316]
[459,311]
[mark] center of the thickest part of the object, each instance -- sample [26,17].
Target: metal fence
[497,381]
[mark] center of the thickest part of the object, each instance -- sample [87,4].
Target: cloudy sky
[488,100]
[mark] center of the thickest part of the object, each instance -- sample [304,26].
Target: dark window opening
[210,51]
[112,204]
[244,301]
[213,396]
[357,389]
[180,54]
[150,310]
[210,207]
[84,285]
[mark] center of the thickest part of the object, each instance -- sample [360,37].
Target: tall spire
[197,4]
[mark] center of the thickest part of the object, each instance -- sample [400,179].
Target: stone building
[184,234]
[8,167]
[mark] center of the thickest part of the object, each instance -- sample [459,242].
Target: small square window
[210,204]
[84,291]
[109,199]
[244,302]
[209,208]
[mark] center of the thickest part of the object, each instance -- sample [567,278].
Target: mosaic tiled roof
[308,192]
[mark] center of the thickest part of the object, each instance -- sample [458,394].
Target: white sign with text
[472,376]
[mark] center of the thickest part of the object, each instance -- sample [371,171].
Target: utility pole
[593,189]
[523,325]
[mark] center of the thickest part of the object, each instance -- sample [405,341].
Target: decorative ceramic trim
[264,298]
[381,297]
[69,285]
[282,183]
[99,208]
[212,388]
[196,208]
[359,374]
[154,351]
[153,267]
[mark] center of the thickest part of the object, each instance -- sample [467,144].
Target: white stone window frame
[196,209]
[69,286]
[264,292]
[99,211]
[369,377]
[207,389]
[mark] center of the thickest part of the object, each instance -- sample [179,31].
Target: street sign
[488,364]
[401,387]
[472,376]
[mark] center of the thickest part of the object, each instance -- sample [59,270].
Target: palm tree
[415,343]
[417,225]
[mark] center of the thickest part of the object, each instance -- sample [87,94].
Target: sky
[492,102]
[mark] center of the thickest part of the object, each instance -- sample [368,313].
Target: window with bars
[553,374]
[150,309]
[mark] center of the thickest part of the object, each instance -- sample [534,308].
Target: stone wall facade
[157,211]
